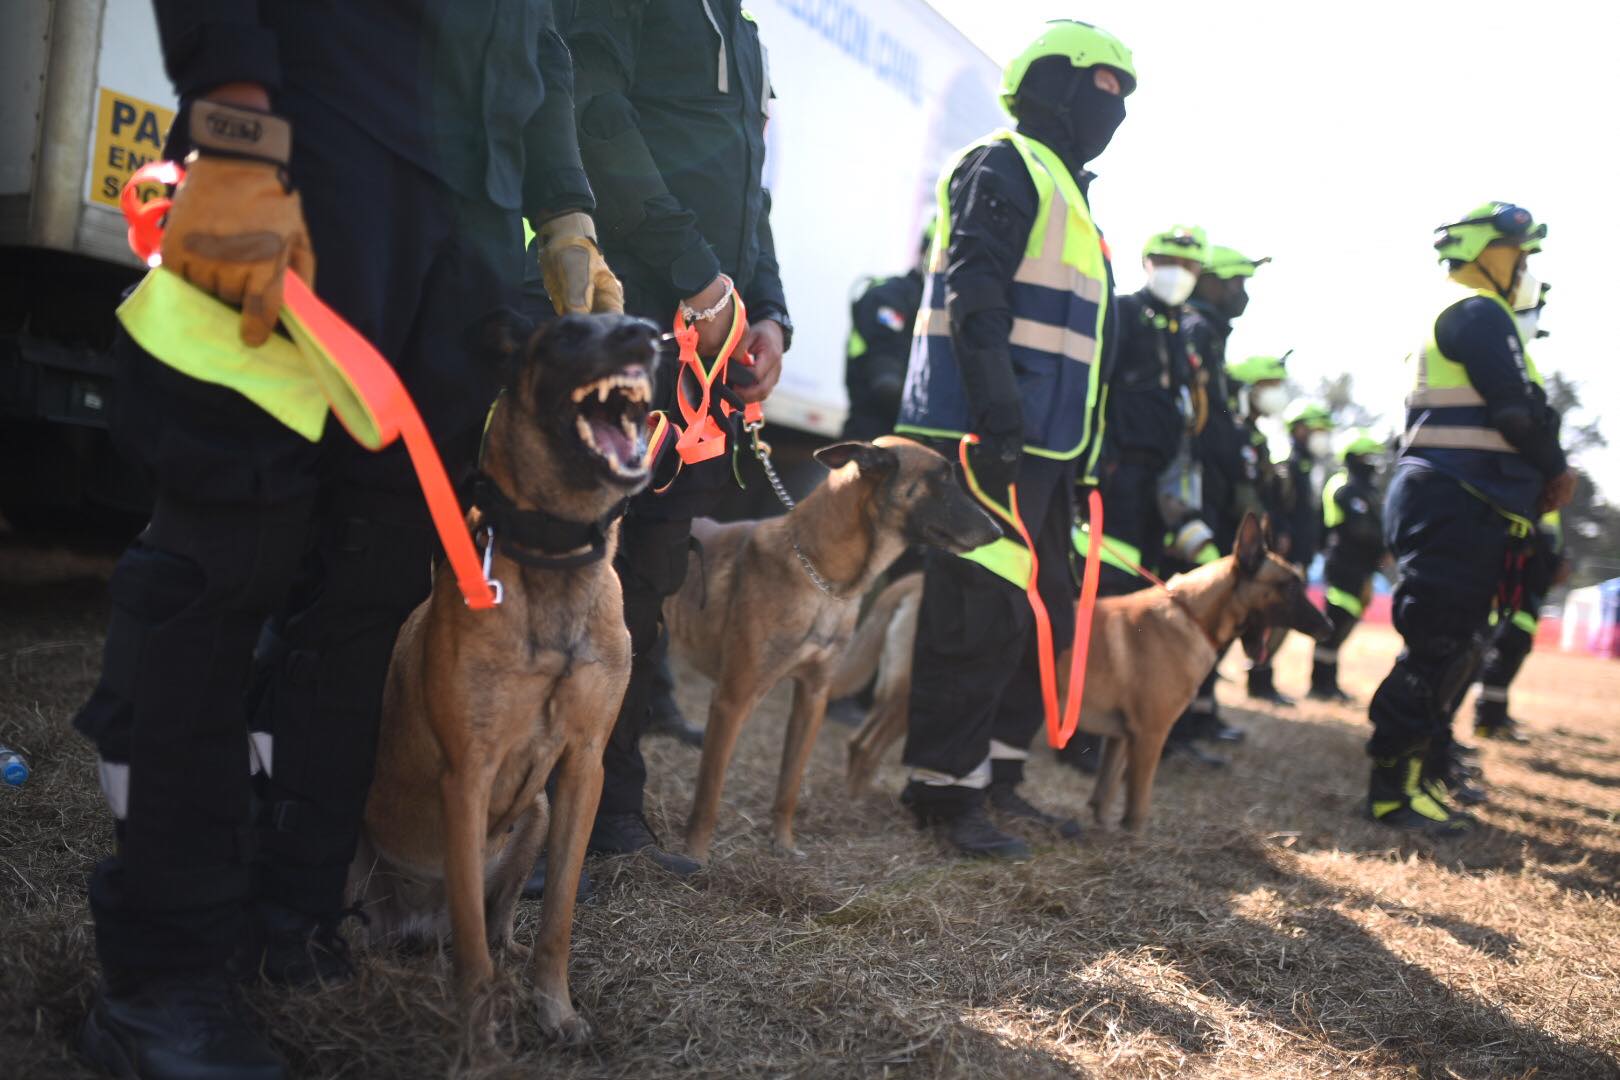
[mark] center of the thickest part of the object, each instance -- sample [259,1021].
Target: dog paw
[788,850]
[560,1023]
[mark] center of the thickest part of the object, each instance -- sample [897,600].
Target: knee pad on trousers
[248,555]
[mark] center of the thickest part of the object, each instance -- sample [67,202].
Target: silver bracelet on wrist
[692,315]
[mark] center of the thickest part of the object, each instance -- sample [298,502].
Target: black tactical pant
[654,544]
[327,544]
[1130,494]
[974,676]
[1451,547]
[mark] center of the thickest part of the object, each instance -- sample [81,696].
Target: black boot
[1182,743]
[1397,797]
[1451,777]
[535,887]
[667,718]
[629,834]
[962,820]
[1207,724]
[1491,719]
[296,949]
[1083,752]
[1325,682]
[1261,687]
[1007,802]
[175,1026]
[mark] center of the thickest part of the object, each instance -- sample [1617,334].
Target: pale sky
[1334,137]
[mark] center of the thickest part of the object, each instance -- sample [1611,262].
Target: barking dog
[480,706]
[770,600]
[1149,652]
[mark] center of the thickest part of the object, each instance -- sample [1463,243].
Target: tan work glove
[571,265]
[236,224]
[1557,492]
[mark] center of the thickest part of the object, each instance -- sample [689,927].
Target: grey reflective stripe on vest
[1044,337]
[1040,336]
[1459,438]
[723,82]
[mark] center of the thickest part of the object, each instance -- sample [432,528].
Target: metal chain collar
[762,451]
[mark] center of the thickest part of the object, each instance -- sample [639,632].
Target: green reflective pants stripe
[1525,621]
[1347,601]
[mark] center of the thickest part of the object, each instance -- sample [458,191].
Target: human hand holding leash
[576,276]
[237,224]
[762,347]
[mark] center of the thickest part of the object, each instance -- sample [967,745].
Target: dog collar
[527,537]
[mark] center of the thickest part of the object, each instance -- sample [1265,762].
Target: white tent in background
[1591,620]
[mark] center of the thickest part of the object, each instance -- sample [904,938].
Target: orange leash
[1060,725]
[699,435]
[372,377]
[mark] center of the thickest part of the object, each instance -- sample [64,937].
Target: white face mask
[1529,323]
[1527,293]
[1173,284]
[1320,443]
[1269,400]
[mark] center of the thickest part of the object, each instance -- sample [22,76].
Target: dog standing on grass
[1149,652]
[770,600]
[480,706]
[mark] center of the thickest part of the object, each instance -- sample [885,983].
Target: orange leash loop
[372,377]
[1060,726]
[703,438]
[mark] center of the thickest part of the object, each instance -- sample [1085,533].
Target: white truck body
[872,99]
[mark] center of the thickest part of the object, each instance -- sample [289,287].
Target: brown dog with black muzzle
[481,706]
[778,599]
[1149,652]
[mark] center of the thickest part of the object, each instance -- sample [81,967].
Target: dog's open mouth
[611,420]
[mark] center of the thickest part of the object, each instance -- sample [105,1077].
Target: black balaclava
[1236,300]
[1360,468]
[1063,103]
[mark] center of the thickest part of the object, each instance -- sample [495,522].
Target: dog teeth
[585,433]
[634,388]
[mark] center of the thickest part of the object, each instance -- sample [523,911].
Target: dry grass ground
[1260,928]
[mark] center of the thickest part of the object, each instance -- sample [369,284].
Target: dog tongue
[612,441]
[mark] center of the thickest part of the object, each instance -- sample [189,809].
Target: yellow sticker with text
[129,134]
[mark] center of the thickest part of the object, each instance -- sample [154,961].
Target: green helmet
[1465,239]
[1179,241]
[1259,369]
[1361,444]
[1084,45]
[1312,414]
[1225,262]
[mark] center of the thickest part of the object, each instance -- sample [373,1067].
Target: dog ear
[1250,547]
[501,335]
[872,460]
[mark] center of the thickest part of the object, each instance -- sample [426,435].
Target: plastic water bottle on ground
[13,767]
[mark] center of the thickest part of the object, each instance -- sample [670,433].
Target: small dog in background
[1149,652]
[778,599]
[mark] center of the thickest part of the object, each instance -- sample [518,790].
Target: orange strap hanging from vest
[371,376]
[1060,726]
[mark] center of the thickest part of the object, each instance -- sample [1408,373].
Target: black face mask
[1058,97]
[1093,116]
[1360,468]
[1236,301]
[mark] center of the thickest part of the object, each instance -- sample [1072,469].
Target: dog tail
[865,650]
